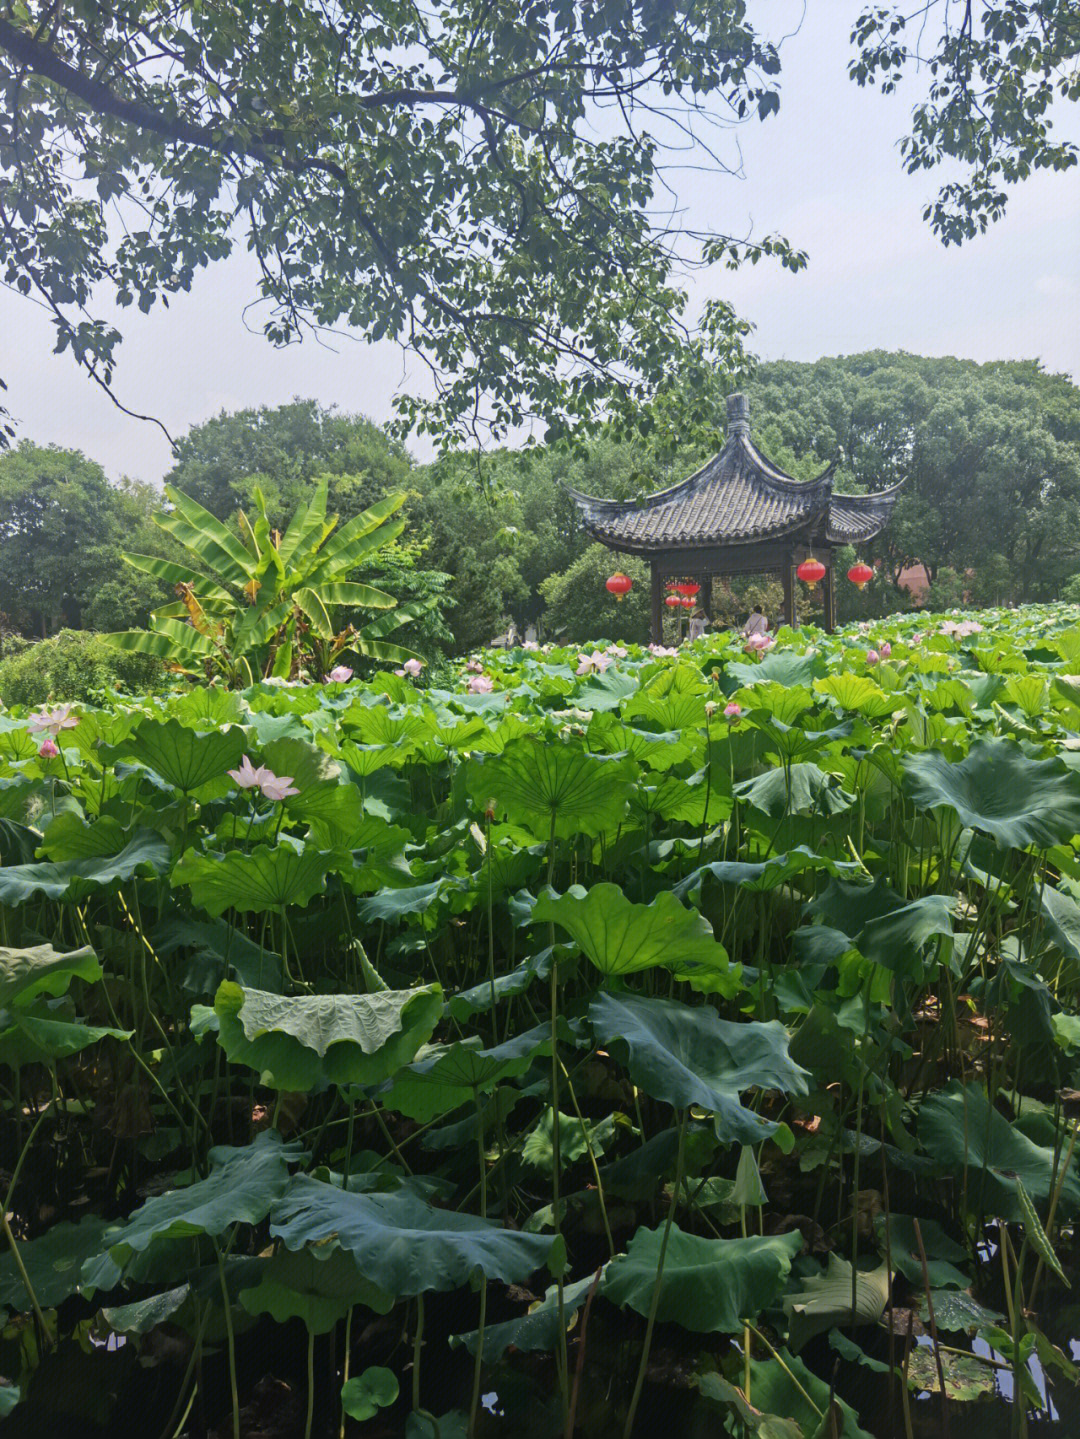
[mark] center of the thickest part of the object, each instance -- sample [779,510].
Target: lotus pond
[615,1039]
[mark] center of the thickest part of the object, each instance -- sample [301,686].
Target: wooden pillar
[788,576]
[656,604]
[706,595]
[829,585]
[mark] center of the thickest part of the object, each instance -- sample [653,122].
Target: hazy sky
[825,172]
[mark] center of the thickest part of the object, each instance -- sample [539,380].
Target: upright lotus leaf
[241,1188]
[764,875]
[942,1253]
[26,974]
[186,758]
[985,1155]
[824,1301]
[540,784]
[752,1421]
[53,1262]
[784,1387]
[605,691]
[857,693]
[689,1056]
[145,1315]
[708,1285]
[799,789]
[35,1036]
[450,1075]
[620,937]
[404,1245]
[214,950]
[145,854]
[304,1042]
[536,1330]
[1000,790]
[318,1285]
[576,1139]
[253,881]
[1061,915]
[70,836]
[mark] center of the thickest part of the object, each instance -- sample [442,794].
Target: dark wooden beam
[829,585]
[656,604]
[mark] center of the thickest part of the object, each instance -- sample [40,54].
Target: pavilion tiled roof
[739,497]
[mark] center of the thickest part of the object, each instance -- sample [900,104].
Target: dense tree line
[990,456]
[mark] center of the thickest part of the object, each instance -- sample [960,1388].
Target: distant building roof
[739,497]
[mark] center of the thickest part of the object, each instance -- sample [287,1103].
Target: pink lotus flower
[759,643]
[49,749]
[885,650]
[54,720]
[412,667]
[916,638]
[596,661]
[733,711]
[530,645]
[475,667]
[872,657]
[339,674]
[864,626]
[617,651]
[479,685]
[248,777]
[278,787]
[663,652]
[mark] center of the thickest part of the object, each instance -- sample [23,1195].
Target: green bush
[579,607]
[74,665]
[1070,590]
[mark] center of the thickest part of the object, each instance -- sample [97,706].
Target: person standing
[696,627]
[756,624]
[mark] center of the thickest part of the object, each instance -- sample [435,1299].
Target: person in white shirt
[757,624]
[696,627]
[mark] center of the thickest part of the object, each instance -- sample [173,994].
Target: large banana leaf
[197,529]
[174,574]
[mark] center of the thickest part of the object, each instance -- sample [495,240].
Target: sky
[825,172]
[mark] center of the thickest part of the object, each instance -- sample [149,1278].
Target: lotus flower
[53,721]
[413,667]
[339,674]
[872,657]
[885,650]
[479,685]
[475,667]
[49,749]
[278,787]
[596,661]
[758,643]
[663,652]
[617,651]
[248,777]
[733,712]
[530,645]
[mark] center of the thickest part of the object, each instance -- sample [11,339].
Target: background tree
[996,68]
[579,608]
[61,528]
[440,174]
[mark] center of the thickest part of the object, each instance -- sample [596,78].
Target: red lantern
[687,601]
[619,585]
[688,588]
[860,575]
[810,571]
[673,601]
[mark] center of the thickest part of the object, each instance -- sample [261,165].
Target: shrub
[74,665]
[579,607]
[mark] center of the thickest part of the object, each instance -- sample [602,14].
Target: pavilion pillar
[829,586]
[788,576]
[656,604]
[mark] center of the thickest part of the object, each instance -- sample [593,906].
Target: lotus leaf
[686,1056]
[318,1285]
[185,758]
[404,1245]
[307,1041]
[542,786]
[241,1188]
[74,879]
[1000,790]
[825,1300]
[620,937]
[252,881]
[707,1285]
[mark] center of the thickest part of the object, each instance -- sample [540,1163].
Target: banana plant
[260,603]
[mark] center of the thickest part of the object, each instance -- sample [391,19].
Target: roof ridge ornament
[738,415]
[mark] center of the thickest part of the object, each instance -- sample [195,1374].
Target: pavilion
[737,515]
